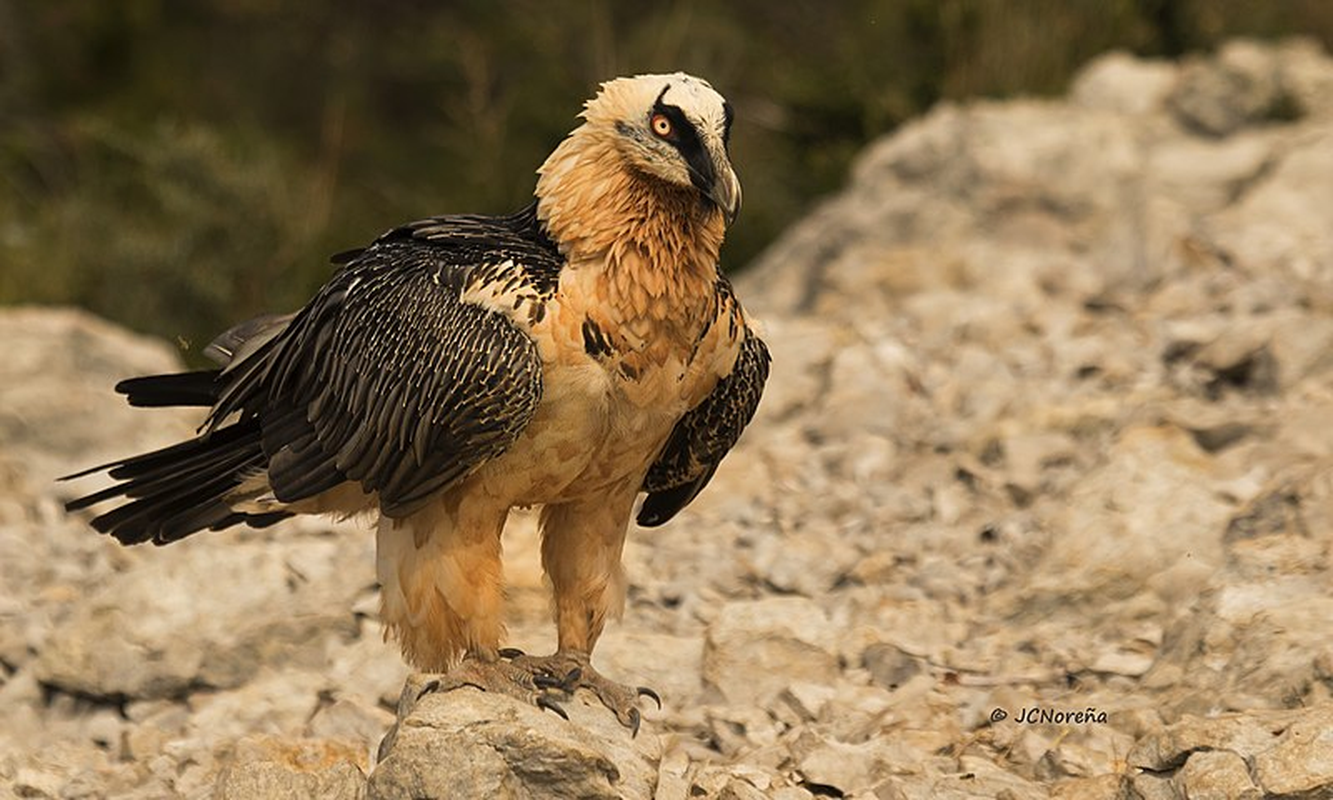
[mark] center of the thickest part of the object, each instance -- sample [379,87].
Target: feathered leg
[442,597]
[442,587]
[582,543]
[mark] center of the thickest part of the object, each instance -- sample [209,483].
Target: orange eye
[661,125]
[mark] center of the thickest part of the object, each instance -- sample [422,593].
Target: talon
[544,681]
[545,702]
[644,691]
[511,653]
[634,718]
[573,677]
[431,686]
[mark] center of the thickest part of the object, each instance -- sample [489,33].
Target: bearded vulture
[572,356]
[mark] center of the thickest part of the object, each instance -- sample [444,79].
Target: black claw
[547,703]
[544,681]
[644,691]
[431,686]
[634,719]
[573,677]
[511,653]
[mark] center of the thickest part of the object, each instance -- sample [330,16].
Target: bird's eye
[661,126]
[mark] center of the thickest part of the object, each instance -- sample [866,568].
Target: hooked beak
[711,173]
[725,191]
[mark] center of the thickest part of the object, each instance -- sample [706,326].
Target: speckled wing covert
[387,378]
[704,435]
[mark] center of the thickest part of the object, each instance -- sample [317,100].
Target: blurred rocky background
[174,166]
[1039,502]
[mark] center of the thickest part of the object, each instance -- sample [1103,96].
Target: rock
[467,743]
[1155,480]
[57,407]
[1260,230]
[144,634]
[1291,752]
[1218,774]
[1120,82]
[264,767]
[889,666]
[1306,72]
[1206,174]
[1219,96]
[1245,734]
[1102,787]
[755,649]
[838,766]
[1300,763]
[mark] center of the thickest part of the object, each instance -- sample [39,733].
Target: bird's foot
[568,670]
[495,676]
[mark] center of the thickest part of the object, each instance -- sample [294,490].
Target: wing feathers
[386,378]
[703,436]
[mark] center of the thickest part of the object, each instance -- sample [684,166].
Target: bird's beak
[725,191]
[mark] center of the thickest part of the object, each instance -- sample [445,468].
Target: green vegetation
[178,166]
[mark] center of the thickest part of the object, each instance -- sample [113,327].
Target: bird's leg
[581,547]
[442,597]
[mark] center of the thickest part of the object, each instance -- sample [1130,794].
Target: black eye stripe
[683,133]
[686,140]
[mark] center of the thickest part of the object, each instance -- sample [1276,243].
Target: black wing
[703,436]
[387,378]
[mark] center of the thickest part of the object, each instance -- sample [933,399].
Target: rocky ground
[1039,504]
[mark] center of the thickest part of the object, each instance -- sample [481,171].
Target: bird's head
[673,128]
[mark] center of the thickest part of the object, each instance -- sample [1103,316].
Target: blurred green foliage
[178,166]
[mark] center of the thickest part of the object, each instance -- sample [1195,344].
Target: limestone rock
[1273,753]
[466,743]
[144,634]
[1120,82]
[1216,774]
[263,768]
[755,649]
[1301,761]
[1219,95]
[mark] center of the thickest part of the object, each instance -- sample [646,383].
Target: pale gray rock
[1120,82]
[1206,175]
[1155,479]
[755,649]
[890,666]
[57,407]
[1240,86]
[848,768]
[466,743]
[1306,72]
[144,634]
[1265,232]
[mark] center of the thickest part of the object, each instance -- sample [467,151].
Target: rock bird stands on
[572,355]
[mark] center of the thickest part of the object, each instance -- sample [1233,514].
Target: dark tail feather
[197,388]
[180,490]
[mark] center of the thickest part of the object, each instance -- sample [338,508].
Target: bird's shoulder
[468,250]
